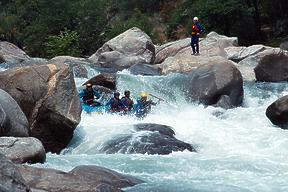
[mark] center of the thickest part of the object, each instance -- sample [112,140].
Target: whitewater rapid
[239,149]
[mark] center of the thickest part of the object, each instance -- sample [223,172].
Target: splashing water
[238,149]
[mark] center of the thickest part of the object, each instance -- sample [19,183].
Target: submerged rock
[13,121]
[144,69]
[48,97]
[22,150]
[277,112]
[148,138]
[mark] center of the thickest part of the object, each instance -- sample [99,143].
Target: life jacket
[88,98]
[115,105]
[127,102]
[195,29]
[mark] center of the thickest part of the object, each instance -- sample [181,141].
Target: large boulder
[272,68]
[239,53]
[208,83]
[171,49]
[247,65]
[129,48]
[79,65]
[13,121]
[48,96]
[10,53]
[148,138]
[22,150]
[277,112]
[11,179]
[82,178]
[211,50]
[107,80]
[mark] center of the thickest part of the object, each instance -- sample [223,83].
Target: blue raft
[94,109]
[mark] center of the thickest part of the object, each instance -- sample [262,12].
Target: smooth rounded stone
[22,150]
[208,83]
[107,80]
[13,121]
[239,53]
[48,96]
[277,112]
[82,178]
[150,139]
[11,179]
[131,47]
[272,68]
[10,53]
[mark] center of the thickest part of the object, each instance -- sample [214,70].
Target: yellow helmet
[144,94]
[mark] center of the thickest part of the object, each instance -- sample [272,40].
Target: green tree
[63,44]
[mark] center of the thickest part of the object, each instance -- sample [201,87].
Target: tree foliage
[40,26]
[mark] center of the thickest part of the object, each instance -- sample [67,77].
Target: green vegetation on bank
[79,27]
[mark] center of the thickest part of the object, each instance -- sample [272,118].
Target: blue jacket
[127,102]
[88,96]
[197,29]
[115,105]
[142,108]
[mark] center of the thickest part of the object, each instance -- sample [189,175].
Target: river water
[239,150]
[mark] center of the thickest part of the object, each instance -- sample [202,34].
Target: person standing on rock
[88,95]
[197,30]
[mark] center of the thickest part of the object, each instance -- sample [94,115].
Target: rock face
[129,48]
[277,112]
[13,121]
[208,83]
[80,179]
[22,150]
[107,80]
[48,97]
[150,139]
[11,179]
[272,68]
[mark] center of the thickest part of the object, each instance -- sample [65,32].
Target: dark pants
[195,44]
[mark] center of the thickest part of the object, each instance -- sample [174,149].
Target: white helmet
[195,19]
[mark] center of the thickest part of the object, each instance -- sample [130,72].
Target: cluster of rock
[40,107]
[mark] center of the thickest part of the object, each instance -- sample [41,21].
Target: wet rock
[208,83]
[144,69]
[22,150]
[48,97]
[107,80]
[13,121]
[272,68]
[148,138]
[82,178]
[277,112]
[129,48]
[11,179]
